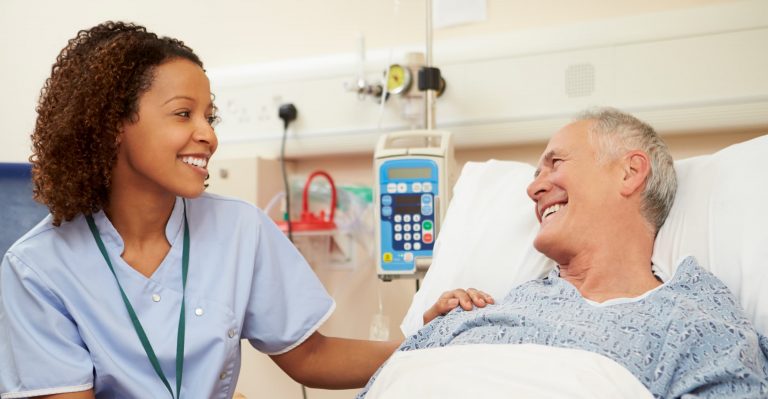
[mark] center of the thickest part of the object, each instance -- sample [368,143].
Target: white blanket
[496,371]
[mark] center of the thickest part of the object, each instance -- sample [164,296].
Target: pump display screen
[409,173]
[407,203]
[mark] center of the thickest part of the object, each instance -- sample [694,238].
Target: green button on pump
[427,225]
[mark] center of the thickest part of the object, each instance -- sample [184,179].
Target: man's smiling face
[572,192]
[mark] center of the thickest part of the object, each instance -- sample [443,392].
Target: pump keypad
[408,231]
[411,215]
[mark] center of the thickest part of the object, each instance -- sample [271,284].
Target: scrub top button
[156,297]
[223,375]
[199,311]
[231,333]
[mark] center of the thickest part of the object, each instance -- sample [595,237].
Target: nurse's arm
[74,395]
[334,363]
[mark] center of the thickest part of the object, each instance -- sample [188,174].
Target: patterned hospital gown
[689,336]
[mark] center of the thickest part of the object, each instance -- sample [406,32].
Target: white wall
[235,32]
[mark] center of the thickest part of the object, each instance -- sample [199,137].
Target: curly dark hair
[93,89]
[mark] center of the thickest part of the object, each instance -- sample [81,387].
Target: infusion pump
[414,174]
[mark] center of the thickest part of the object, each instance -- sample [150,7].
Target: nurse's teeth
[199,162]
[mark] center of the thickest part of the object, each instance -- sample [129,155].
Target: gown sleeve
[288,302]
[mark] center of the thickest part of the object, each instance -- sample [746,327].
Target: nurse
[138,284]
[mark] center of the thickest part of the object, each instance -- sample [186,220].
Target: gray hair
[615,133]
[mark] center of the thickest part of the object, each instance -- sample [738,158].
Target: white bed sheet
[502,371]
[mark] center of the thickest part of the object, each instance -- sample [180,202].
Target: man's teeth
[199,162]
[552,209]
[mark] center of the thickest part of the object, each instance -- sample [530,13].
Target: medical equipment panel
[412,191]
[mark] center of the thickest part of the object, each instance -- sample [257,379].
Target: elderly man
[602,190]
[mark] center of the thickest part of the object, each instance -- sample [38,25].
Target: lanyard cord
[135,319]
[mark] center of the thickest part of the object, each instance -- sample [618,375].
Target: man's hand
[451,299]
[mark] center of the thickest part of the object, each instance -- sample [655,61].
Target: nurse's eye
[214,120]
[183,114]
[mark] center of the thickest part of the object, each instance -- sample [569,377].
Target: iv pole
[430,92]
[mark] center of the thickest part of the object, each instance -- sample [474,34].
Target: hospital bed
[486,243]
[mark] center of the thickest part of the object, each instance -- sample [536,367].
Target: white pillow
[486,241]
[718,218]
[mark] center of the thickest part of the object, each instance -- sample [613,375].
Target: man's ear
[636,168]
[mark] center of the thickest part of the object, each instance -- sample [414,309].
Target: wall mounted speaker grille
[580,80]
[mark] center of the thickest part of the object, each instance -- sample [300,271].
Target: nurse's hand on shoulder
[449,300]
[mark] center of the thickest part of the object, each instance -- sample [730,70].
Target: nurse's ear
[120,133]
[132,118]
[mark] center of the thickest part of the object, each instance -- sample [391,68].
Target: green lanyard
[137,325]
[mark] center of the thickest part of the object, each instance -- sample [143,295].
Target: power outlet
[236,112]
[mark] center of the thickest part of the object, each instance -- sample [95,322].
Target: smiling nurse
[138,284]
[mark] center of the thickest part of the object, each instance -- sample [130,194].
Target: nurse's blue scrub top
[64,326]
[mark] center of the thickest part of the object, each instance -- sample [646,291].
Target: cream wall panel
[256,180]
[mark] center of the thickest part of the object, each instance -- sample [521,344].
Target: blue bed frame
[18,211]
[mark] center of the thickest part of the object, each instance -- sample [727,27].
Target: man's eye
[556,161]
